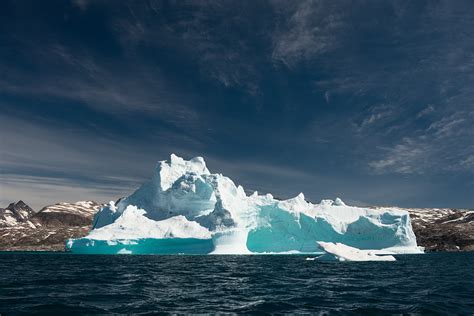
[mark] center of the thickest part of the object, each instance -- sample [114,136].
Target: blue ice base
[141,246]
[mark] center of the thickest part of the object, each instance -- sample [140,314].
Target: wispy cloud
[452,125]
[378,114]
[114,90]
[426,111]
[202,34]
[81,4]
[445,145]
[309,29]
[468,163]
[407,157]
[403,87]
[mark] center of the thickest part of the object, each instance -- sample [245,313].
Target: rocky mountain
[15,214]
[66,214]
[21,228]
[443,229]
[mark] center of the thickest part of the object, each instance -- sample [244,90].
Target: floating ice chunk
[341,252]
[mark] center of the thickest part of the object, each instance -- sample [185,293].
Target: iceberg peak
[170,170]
[338,202]
[326,202]
[300,197]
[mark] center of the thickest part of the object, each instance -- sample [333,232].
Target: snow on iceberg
[341,252]
[186,209]
[133,224]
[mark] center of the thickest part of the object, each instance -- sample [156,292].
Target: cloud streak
[310,29]
[444,146]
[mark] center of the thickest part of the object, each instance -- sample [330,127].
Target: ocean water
[438,283]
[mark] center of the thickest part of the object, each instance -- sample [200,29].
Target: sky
[369,101]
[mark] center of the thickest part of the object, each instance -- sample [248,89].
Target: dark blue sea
[34,283]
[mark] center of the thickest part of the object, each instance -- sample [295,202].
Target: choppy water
[440,283]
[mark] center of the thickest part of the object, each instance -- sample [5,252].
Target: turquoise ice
[141,246]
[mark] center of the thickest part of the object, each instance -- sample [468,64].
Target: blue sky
[370,101]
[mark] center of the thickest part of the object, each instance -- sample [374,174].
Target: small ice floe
[342,252]
[310,258]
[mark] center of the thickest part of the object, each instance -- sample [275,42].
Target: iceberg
[185,208]
[341,252]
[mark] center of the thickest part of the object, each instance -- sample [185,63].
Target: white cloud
[310,29]
[377,114]
[468,162]
[446,145]
[426,111]
[451,125]
[406,158]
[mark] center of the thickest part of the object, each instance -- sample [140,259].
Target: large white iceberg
[186,209]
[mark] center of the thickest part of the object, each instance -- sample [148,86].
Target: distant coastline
[437,230]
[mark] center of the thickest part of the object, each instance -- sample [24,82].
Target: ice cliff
[187,209]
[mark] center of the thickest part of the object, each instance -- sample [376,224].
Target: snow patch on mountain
[15,214]
[86,208]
